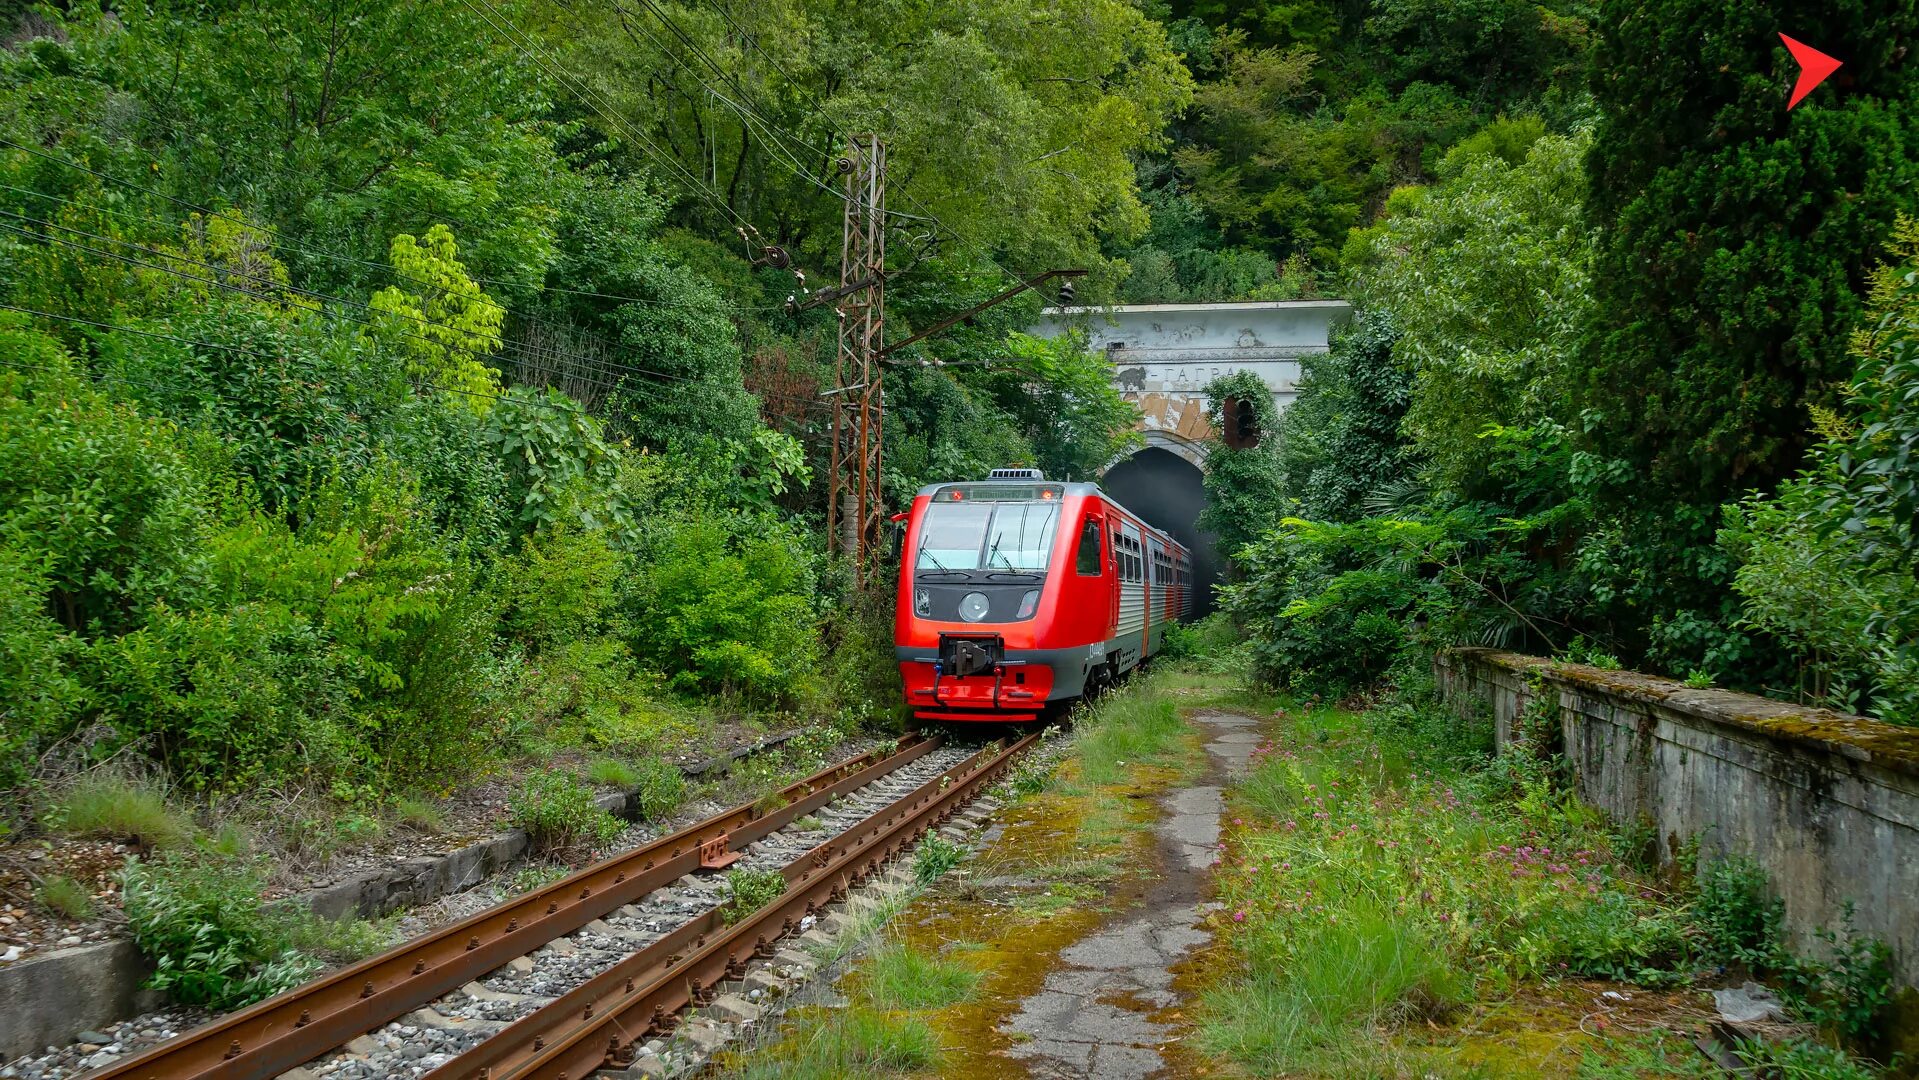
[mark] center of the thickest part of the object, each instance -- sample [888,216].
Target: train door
[1150,643]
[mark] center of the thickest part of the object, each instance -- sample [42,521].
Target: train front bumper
[1016,686]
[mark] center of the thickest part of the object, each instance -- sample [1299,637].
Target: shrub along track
[585,929]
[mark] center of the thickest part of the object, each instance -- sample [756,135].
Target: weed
[897,976]
[809,823]
[339,941]
[613,773]
[65,897]
[557,811]
[748,891]
[1031,775]
[230,842]
[659,787]
[847,1043]
[1738,918]
[420,815]
[1364,968]
[1848,990]
[114,808]
[934,856]
[211,940]
[1701,679]
[535,876]
[1659,1053]
[1801,1059]
[1139,726]
[768,803]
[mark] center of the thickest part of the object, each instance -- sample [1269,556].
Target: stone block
[705,1035]
[734,1009]
[46,999]
[766,982]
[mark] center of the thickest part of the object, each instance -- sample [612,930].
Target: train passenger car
[1017,592]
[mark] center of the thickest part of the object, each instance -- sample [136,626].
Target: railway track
[570,978]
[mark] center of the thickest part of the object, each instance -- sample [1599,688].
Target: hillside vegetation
[392,387]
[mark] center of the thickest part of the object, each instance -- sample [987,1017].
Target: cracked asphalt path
[1092,1016]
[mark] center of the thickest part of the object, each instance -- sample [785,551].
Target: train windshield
[1015,536]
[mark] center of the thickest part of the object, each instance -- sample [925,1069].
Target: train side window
[1087,559]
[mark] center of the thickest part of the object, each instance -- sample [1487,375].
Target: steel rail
[598,1023]
[295,1027]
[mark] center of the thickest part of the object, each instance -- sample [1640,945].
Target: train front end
[978,600]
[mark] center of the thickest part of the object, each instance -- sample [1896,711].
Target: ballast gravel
[405,1049]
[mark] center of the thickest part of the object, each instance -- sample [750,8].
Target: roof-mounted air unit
[1016,474]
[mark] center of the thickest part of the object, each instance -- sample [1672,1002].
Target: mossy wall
[1828,802]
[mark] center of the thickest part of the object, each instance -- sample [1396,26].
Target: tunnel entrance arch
[1164,485]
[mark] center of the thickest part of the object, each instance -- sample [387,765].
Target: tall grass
[847,1043]
[1368,968]
[1139,724]
[897,976]
[114,808]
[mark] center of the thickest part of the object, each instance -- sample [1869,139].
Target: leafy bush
[211,940]
[1830,566]
[557,811]
[659,787]
[748,891]
[1737,916]
[934,856]
[109,807]
[1845,987]
[728,614]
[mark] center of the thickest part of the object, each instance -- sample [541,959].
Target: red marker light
[1814,68]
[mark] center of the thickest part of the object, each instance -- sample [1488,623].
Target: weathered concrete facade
[1164,353]
[1829,803]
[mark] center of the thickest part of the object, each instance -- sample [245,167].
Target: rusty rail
[293,1028]
[598,1023]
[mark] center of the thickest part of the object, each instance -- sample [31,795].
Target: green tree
[440,320]
[1735,236]
[1831,565]
[1340,443]
[1485,278]
[1734,240]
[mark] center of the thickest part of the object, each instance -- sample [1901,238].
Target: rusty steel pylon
[855,508]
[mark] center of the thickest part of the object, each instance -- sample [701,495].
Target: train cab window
[1087,559]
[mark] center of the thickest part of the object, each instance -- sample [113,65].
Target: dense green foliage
[1595,346]
[392,391]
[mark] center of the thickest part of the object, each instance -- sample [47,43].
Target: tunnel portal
[1169,492]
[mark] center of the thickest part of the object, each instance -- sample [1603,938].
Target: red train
[1016,593]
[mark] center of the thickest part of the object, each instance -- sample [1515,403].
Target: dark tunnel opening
[1169,492]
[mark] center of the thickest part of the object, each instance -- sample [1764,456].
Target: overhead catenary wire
[773,135]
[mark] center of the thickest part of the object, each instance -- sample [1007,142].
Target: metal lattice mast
[854,505]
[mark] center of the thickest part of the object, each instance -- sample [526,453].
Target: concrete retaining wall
[45,1001]
[1827,802]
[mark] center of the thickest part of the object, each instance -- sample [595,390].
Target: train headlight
[1028,602]
[922,603]
[973,606]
